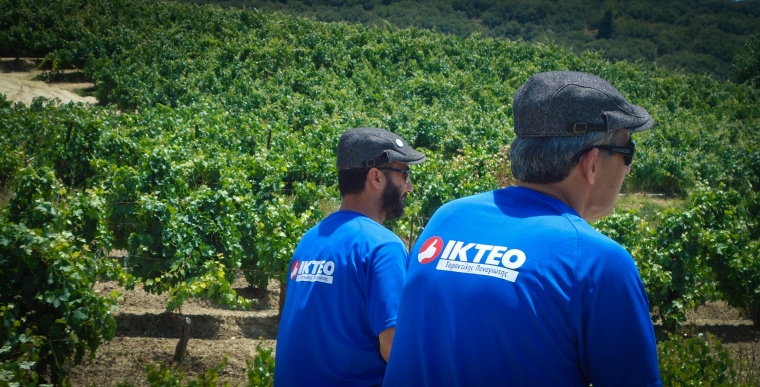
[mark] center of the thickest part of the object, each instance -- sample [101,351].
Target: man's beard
[392,203]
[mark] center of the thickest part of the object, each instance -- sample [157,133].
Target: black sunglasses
[626,150]
[406,172]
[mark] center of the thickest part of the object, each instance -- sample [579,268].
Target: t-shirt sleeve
[616,340]
[385,279]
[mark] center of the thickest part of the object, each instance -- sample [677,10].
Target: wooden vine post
[184,337]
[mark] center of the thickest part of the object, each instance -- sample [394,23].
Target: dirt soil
[17,82]
[146,334]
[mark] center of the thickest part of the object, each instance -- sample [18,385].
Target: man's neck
[363,205]
[574,198]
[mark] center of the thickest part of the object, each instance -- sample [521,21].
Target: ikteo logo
[312,271]
[430,250]
[463,257]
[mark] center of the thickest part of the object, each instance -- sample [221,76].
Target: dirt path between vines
[147,335]
[18,84]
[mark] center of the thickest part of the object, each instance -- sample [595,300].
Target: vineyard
[212,151]
[698,36]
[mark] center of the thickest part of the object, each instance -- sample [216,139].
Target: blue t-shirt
[344,286]
[513,288]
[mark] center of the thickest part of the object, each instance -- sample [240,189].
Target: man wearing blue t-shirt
[513,287]
[347,272]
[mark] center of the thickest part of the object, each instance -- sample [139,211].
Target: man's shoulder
[511,202]
[466,203]
[349,225]
[600,254]
[588,235]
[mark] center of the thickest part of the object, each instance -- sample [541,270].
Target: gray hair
[545,160]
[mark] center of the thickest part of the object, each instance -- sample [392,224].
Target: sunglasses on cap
[626,150]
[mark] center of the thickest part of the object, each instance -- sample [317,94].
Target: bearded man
[347,272]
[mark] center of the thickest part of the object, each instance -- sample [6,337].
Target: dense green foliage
[747,62]
[52,247]
[706,251]
[697,361]
[701,36]
[216,153]
[249,65]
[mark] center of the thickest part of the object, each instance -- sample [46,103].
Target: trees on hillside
[747,62]
[699,36]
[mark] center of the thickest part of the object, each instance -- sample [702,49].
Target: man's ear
[375,179]
[588,165]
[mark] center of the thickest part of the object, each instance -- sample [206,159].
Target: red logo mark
[430,250]
[294,270]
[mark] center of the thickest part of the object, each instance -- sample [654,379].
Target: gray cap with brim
[569,103]
[367,147]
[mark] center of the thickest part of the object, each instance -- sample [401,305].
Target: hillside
[697,36]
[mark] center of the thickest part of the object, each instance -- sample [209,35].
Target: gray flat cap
[366,147]
[569,103]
